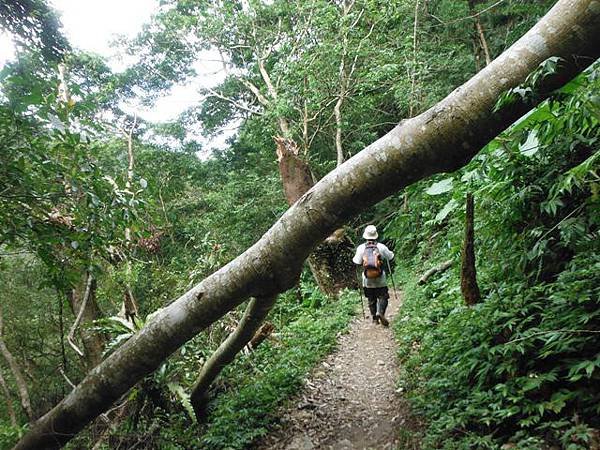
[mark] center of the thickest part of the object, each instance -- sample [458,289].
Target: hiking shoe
[375,319]
[383,321]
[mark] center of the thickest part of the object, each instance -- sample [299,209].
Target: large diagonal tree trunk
[441,139]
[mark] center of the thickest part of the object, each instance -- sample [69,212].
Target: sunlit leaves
[440,187]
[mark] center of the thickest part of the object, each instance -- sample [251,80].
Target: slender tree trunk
[255,313]
[130,308]
[9,405]
[337,109]
[79,315]
[442,139]
[468,272]
[93,342]
[479,40]
[412,101]
[16,372]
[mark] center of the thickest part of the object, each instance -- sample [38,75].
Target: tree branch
[256,311]
[71,335]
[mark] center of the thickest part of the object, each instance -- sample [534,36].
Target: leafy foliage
[521,368]
[33,23]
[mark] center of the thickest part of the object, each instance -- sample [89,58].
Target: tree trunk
[263,333]
[255,313]
[468,272]
[331,261]
[9,405]
[479,40]
[16,372]
[412,101]
[129,307]
[441,139]
[93,342]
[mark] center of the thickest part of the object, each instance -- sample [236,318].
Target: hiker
[371,256]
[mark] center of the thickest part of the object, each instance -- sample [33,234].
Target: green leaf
[447,209]
[531,146]
[441,187]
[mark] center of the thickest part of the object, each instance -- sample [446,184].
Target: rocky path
[350,401]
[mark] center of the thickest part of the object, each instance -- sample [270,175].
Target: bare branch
[71,335]
[233,102]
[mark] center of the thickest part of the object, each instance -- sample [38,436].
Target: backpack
[372,261]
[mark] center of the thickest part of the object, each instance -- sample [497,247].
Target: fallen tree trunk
[437,269]
[263,333]
[441,139]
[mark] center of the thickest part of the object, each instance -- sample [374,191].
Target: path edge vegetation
[441,139]
[518,368]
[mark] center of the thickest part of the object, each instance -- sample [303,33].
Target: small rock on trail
[350,401]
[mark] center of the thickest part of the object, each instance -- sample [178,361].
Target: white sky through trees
[92,25]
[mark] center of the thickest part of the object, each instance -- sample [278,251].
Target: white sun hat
[370,232]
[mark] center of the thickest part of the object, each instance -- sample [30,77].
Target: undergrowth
[521,369]
[257,386]
[246,396]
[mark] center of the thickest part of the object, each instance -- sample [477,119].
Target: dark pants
[378,300]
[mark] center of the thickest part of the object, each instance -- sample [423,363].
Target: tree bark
[437,269]
[441,139]
[9,405]
[16,372]
[130,309]
[255,313]
[93,342]
[263,333]
[412,102]
[468,272]
[330,262]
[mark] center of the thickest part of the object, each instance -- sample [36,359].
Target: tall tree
[441,139]
[276,73]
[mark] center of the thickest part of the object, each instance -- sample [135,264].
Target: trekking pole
[392,278]
[360,293]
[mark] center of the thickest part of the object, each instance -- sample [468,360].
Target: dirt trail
[350,400]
